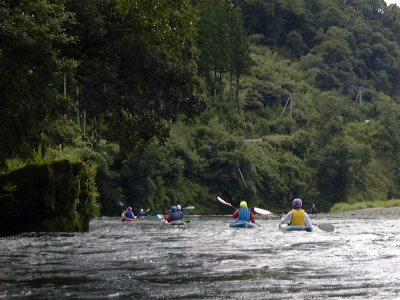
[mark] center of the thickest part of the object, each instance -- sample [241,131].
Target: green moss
[34,189]
[57,196]
[64,185]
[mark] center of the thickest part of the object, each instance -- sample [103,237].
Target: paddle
[328,227]
[227,203]
[224,202]
[191,207]
[262,211]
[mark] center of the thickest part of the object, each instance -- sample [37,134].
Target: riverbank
[367,213]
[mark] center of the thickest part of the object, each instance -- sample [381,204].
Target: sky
[388,2]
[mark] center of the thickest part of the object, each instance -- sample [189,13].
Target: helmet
[173,209]
[297,203]
[178,207]
[141,209]
[129,208]
[243,204]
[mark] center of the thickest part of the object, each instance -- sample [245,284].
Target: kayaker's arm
[286,219]
[235,215]
[252,218]
[307,220]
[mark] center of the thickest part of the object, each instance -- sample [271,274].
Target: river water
[204,260]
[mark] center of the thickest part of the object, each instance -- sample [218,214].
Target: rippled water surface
[204,260]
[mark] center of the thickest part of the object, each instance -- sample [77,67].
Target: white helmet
[178,207]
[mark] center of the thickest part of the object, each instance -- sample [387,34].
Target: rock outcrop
[56,197]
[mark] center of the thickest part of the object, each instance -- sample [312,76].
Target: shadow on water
[205,259]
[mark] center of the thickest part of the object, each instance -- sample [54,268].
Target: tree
[213,43]
[239,49]
[32,35]
[137,66]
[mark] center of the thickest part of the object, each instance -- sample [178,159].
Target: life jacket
[244,214]
[176,216]
[297,217]
[142,214]
[129,214]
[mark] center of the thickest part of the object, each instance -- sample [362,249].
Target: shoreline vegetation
[345,207]
[366,209]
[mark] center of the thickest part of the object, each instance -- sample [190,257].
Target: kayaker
[297,216]
[243,213]
[179,209]
[129,213]
[314,210]
[141,213]
[174,215]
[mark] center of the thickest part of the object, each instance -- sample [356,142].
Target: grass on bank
[342,207]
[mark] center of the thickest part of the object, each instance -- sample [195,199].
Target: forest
[181,101]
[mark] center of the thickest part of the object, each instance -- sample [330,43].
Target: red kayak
[126,219]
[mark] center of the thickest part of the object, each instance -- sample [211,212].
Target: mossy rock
[9,208]
[58,196]
[64,182]
[34,190]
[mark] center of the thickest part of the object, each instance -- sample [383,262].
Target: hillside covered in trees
[180,101]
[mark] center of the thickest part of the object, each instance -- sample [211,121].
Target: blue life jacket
[129,214]
[244,214]
[176,216]
[142,214]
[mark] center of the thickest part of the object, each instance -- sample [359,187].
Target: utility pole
[241,175]
[290,101]
[78,121]
[359,94]
[84,122]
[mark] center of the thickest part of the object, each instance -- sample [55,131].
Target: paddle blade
[262,211]
[224,202]
[326,227]
[189,208]
[160,216]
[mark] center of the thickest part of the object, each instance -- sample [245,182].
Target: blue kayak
[177,223]
[241,224]
[295,228]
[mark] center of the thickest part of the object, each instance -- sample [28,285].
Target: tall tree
[32,35]
[137,66]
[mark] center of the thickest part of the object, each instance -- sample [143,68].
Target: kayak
[242,224]
[175,223]
[126,219]
[295,228]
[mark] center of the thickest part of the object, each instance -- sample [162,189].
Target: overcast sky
[388,2]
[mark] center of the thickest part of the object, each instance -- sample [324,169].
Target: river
[204,260]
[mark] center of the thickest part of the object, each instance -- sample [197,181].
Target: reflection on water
[204,260]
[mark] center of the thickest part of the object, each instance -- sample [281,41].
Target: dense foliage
[181,101]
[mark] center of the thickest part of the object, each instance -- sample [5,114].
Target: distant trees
[223,45]
[141,72]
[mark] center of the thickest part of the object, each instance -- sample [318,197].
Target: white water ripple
[204,260]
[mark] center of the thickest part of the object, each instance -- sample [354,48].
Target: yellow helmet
[243,204]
